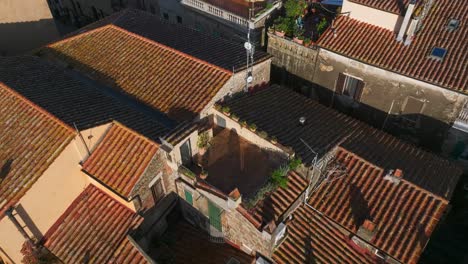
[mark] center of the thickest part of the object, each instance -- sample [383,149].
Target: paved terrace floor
[233,162]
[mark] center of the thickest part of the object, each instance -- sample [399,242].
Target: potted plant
[203,142]
[321,26]
[235,117]
[298,35]
[295,8]
[243,123]
[273,140]
[253,127]
[218,107]
[263,134]
[226,110]
[307,42]
[203,174]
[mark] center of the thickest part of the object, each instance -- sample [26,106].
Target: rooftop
[277,110]
[92,228]
[120,159]
[128,253]
[222,53]
[233,162]
[163,78]
[378,46]
[312,238]
[404,214]
[76,100]
[31,139]
[177,245]
[393,6]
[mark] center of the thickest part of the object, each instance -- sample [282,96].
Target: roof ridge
[347,152]
[135,133]
[79,34]
[36,107]
[169,48]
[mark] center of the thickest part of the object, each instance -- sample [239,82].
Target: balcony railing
[218,12]
[461,123]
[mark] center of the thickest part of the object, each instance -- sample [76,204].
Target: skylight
[438,53]
[453,24]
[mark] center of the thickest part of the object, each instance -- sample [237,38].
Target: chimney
[367,230]
[398,173]
[406,20]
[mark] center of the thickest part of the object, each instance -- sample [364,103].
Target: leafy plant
[307,41]
[260,195]
[204,140]
[234,117]
[298,32]
[253,127]
[218,107]
[294,163]
[294,8]
[322,25]
[284,24]
[273,139]
[226,109]
[243,123]
[263,134]
[279,177]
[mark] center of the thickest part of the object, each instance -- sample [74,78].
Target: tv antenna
[250,50]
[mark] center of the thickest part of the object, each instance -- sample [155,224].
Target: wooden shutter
[188,197]
[215,216]
[339,87]
[359,90]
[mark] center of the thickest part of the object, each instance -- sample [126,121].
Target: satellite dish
[248,46]
[249,79]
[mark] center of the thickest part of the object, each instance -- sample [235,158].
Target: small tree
[294,8]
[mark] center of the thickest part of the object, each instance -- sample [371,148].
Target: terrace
[231,162]
[304,21]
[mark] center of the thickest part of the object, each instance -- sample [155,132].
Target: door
[215,216]
[157,191]
[186,153]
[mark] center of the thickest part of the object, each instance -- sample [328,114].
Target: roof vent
[438,53]
[394,176]
[302,120]
[453,25]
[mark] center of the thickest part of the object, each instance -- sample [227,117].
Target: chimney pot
[369,225]
[398,173]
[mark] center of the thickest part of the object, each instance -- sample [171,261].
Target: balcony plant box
[298,40]
[280,33]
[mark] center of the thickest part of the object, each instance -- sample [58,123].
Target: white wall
[372,16]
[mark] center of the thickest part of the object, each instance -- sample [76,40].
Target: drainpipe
[404,25]
[18,226]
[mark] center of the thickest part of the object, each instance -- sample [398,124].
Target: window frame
[341,86]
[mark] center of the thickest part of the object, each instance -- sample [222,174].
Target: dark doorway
[157,191]
[186,153]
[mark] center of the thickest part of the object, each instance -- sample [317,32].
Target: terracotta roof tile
[404,214]
[393,6]
[120,159]
[31,139]
[223,53]
[93,227]
[73,100]
[277,110]
[128,253]
[378,46]
[168,80]
[183,251]
[312,238]
[274,205]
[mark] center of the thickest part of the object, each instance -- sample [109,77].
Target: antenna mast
[250,52]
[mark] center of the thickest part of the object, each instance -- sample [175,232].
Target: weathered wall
[25,25]
[386,92]
[372,16]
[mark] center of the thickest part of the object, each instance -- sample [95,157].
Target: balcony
[461,123]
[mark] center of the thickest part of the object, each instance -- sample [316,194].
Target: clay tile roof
[223,53]
[93,227]
[312,238]
[128,253]
[183,251]
[276,110]
[278,202]
[237,7]
[393,6]
[378,46]
[30,140]
[72,99]
[168,80]
[120,159]
[404,214]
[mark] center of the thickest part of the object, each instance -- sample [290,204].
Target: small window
[438,53]
[188,197]
[453,24]
[349,86]
[166,16]
[412,110]
[179,19]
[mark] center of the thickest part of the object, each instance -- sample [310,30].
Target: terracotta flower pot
[298,41]
[204,175]
[280,33]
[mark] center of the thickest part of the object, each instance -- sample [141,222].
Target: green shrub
[279,177]
[263,134]
[204,140]
[294,163]
[294,8]
[253,126]
[226,109]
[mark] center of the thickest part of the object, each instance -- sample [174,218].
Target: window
[157,191]
[215,215]
[438,53]
[411,110]
[188,197]
[166,16]
[349,86]
[179,19]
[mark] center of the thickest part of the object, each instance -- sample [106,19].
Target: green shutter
[215,216]
[188,197]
